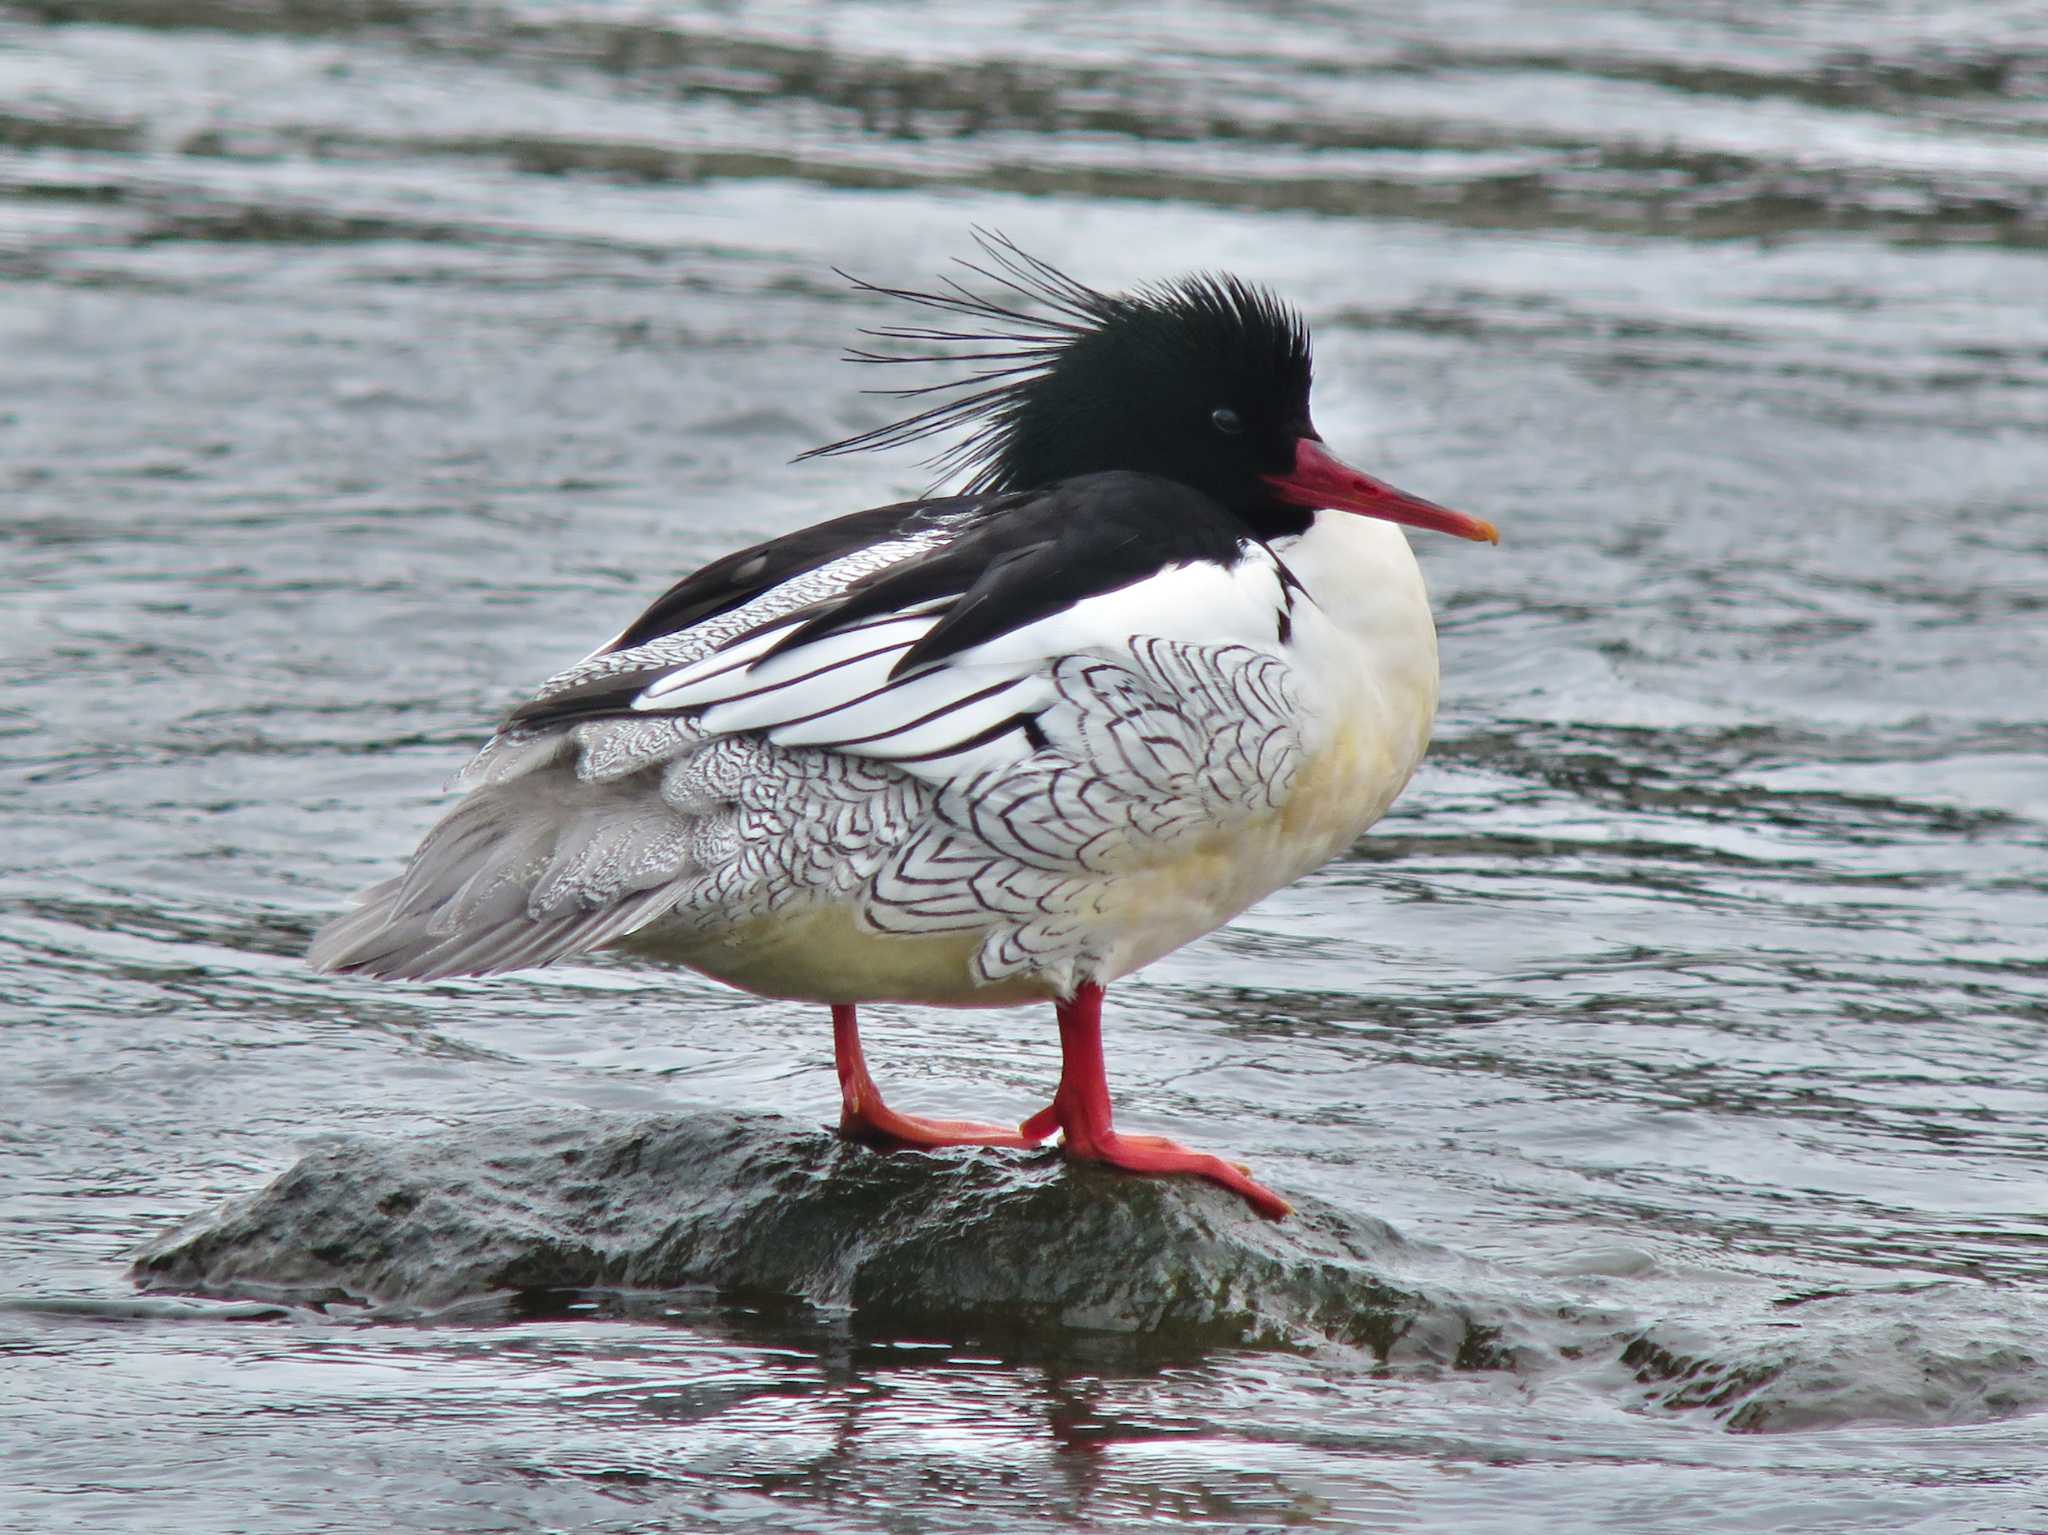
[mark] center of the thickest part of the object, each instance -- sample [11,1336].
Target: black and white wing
[953,715]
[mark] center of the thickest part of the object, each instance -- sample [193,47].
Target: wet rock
[758,1208]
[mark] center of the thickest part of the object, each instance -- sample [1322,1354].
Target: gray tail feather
[519,874]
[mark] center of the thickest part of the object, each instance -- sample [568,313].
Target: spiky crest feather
[1050,319]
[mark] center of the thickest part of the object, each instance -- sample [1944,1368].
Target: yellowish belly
[1337,794]
[825,953]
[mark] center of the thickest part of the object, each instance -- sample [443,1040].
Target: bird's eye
[1226,421]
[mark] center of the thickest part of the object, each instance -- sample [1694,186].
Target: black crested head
[1204,380]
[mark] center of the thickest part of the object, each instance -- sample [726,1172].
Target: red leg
[864,1117]
[1080,1109]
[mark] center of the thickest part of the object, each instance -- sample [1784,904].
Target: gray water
[367,360]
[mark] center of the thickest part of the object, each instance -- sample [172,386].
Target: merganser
[1142,669]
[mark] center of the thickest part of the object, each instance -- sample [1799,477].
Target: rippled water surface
[367,360]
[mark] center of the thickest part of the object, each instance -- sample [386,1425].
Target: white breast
[1365,655]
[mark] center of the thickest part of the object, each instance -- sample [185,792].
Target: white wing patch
[944,722]
[622,749]
[813,586]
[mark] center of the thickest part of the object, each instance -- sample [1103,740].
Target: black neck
[1271,519]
